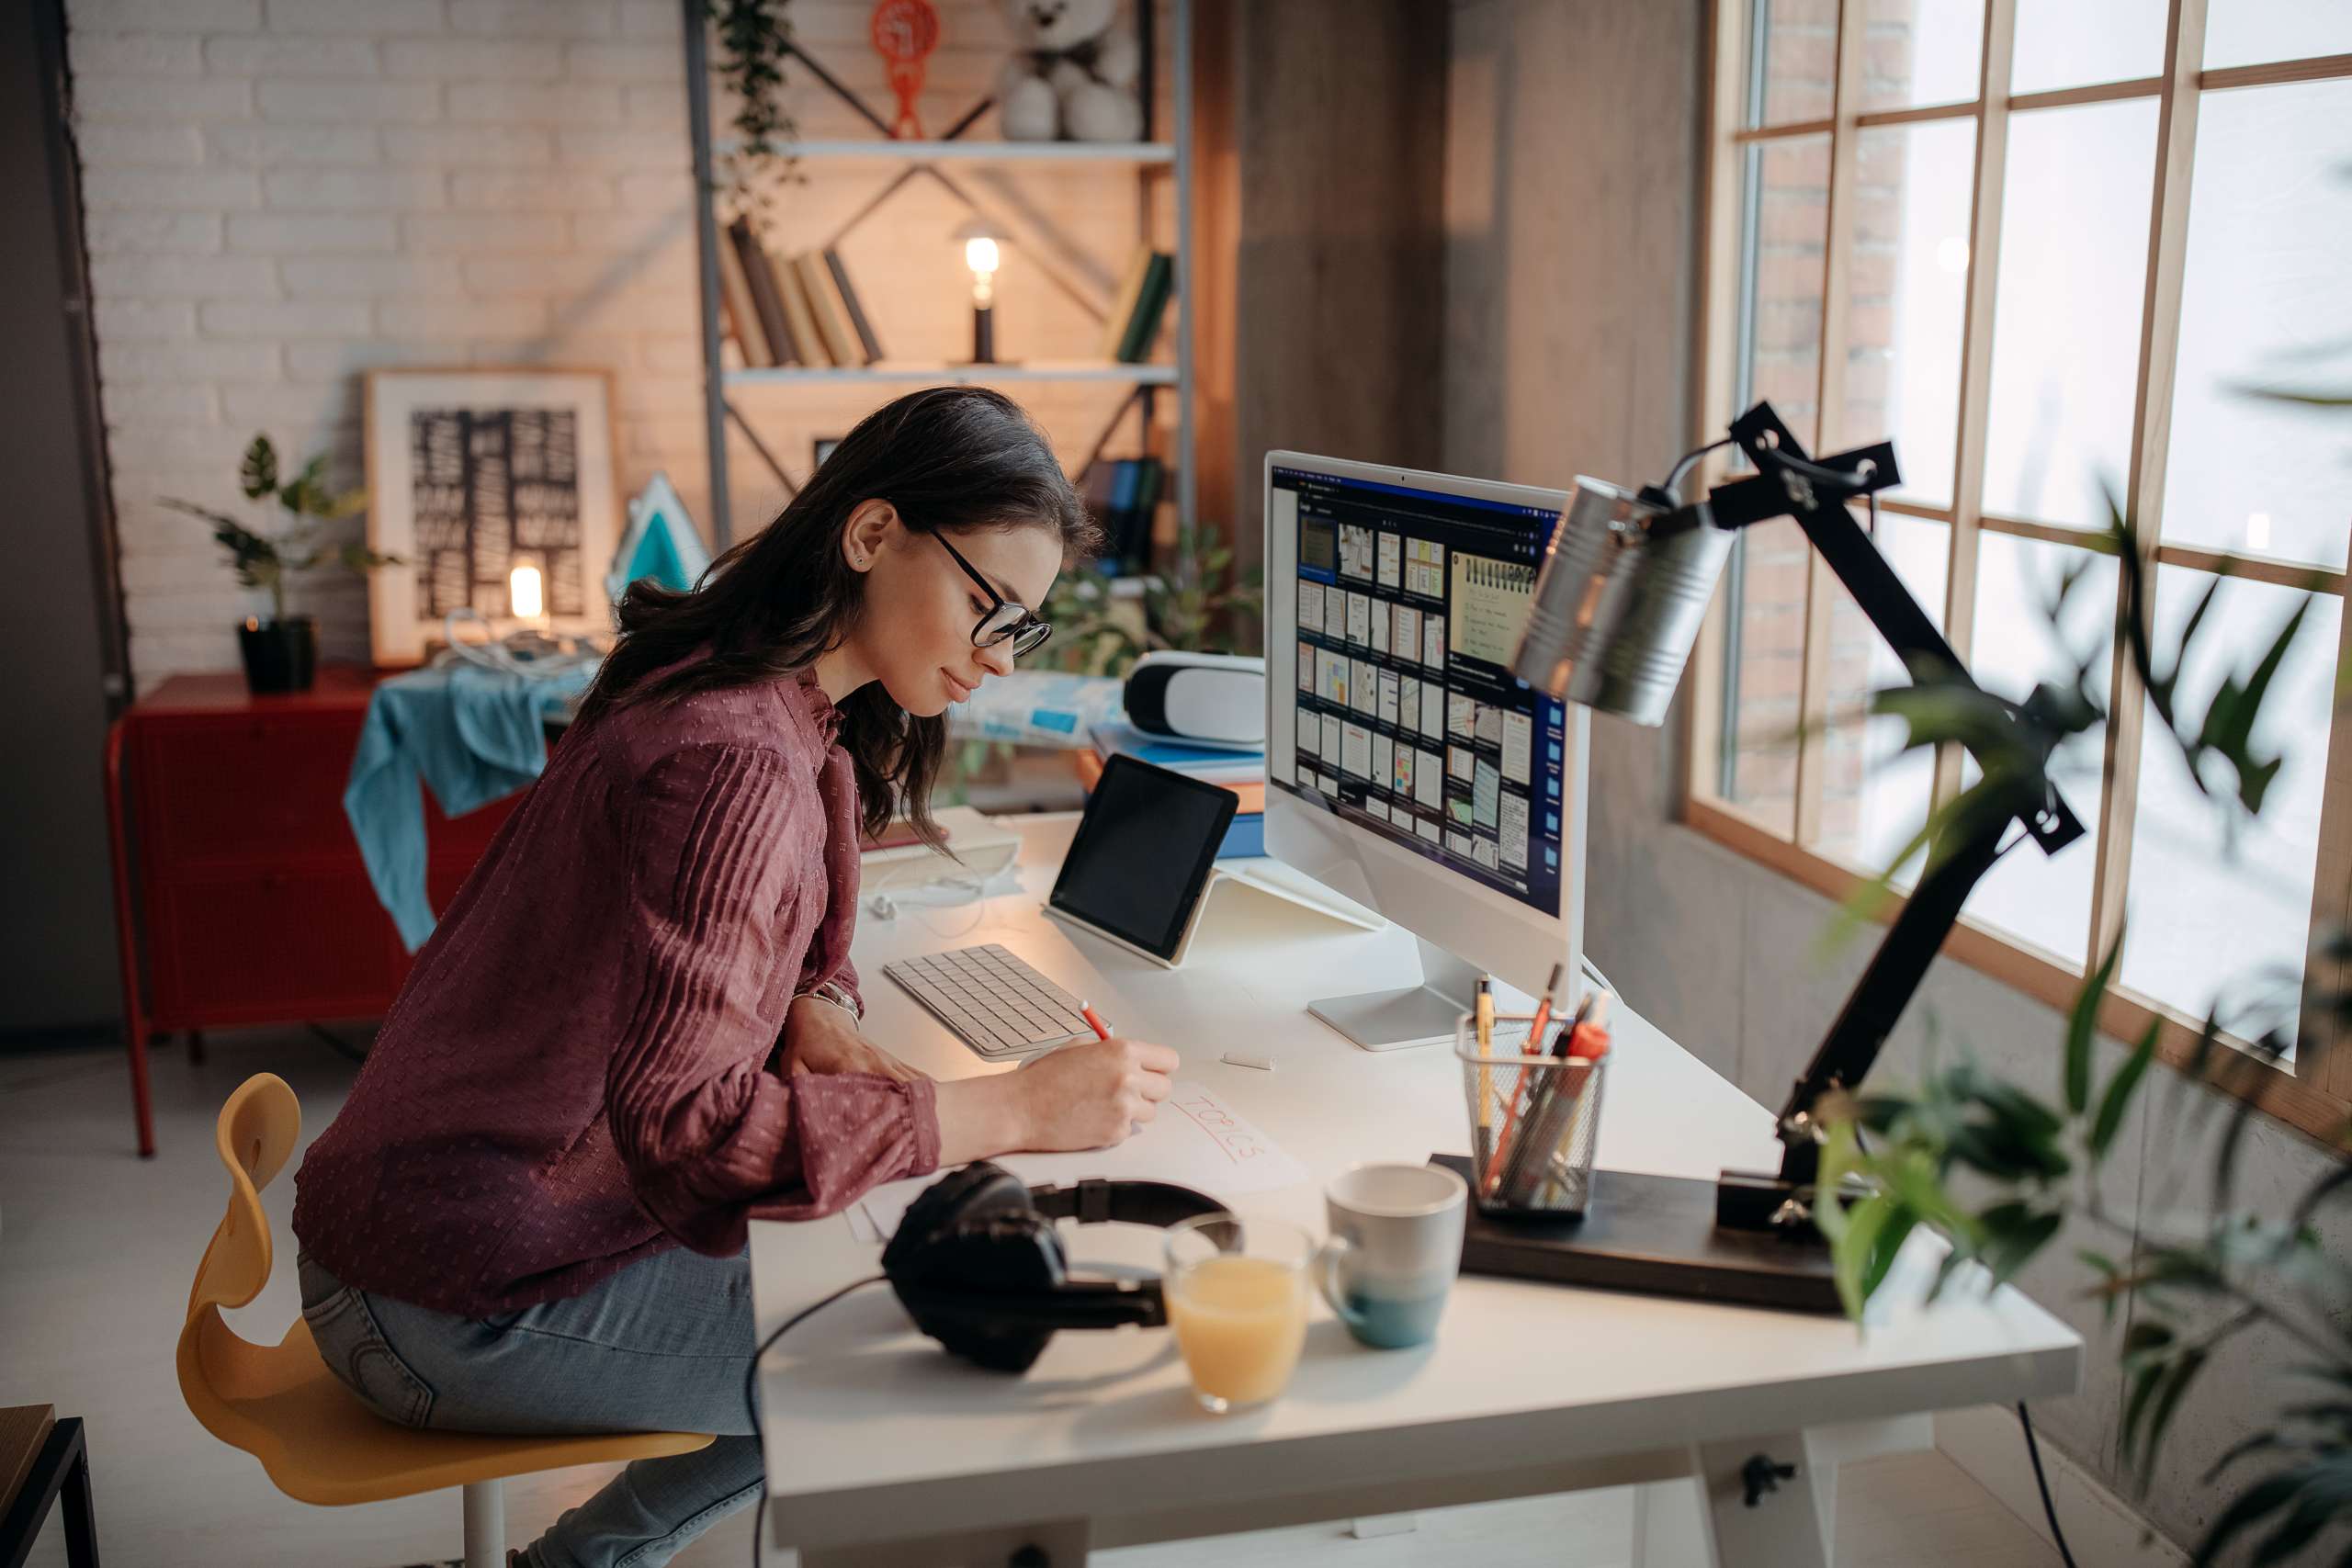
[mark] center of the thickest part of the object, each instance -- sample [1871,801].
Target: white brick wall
[283,196]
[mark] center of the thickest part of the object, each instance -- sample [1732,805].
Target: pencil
[1484,1013]
[1094,1021]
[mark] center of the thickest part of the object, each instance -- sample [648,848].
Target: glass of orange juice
[1236,1291]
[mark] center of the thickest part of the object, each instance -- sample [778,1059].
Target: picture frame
[821,448]
[470,470]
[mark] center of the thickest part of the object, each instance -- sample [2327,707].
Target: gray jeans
[662,1345]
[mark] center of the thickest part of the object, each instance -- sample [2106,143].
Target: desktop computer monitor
[1406,766]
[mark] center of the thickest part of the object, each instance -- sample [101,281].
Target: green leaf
[2014,1232]
[2266,1497]
[2185,1369]
[2082,1023]
[1850,1256]
[258,473]
[2119,1089]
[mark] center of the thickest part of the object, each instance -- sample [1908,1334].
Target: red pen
[1094,1021]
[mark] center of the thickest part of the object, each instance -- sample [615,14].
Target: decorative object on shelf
[663,543]
[981,254]
[281,653]
[470,470]
[755,36]
[904,33]
[1073,76]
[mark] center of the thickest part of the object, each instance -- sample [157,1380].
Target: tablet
[1143,856]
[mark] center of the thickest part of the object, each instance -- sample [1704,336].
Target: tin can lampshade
[1618,603]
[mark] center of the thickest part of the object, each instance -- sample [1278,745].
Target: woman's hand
[1080,1097]
[1091,1095]
[820,1037]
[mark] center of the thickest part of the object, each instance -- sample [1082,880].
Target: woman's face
[915,636]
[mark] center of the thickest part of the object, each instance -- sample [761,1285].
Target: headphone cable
[752,1391]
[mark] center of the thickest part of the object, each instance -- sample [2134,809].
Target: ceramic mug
[1395,1248]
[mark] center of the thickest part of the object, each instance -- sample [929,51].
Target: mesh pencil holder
[1534,1121]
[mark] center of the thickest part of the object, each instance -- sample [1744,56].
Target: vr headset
[978,1264]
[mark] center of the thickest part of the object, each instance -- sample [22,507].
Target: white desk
[883,1452]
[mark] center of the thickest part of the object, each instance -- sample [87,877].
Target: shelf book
[759,283]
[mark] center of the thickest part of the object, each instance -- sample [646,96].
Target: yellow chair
[281,1405]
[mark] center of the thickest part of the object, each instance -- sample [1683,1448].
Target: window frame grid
[2314,1092]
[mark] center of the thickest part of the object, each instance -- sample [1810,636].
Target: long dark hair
[953,457]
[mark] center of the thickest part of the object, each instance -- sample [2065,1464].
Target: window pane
[1764,660]
[2209,913]
[2067,314]
[2255,32]
[1875,796]
[1793,68]
[1922,51]
[2044,900]
[1787,226]
[1910,297]
[2077,43]
[1785,230]
[2269,226]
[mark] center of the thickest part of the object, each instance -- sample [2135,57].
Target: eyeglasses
[1005,621]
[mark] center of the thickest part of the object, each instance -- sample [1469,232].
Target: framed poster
[473,473]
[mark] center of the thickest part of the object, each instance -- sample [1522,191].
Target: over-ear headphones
[979,1265]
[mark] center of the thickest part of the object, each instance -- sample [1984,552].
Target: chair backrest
[256,1133]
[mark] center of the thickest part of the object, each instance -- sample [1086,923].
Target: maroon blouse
[575,1074]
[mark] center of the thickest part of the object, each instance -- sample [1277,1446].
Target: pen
[1534,1045]
[1523,1093]
[1094,1021]
[1484,1009]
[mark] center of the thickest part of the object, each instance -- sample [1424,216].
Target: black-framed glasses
[1005,620]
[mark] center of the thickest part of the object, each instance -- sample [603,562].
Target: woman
[636,1026]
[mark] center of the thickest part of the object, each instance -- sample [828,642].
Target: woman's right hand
[1091,1095]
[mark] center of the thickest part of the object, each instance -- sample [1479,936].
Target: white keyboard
[996,1004]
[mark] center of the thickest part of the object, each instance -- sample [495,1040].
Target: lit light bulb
[1951,253]
[2257,531]
[980,255]
[523,597]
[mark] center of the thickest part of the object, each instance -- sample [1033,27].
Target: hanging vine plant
[755,36]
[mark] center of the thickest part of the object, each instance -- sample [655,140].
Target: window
[2046,246]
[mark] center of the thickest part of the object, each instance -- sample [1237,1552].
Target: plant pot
[280,655]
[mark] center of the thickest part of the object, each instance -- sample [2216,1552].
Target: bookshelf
[1152,161]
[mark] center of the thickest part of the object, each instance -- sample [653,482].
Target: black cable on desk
[2033,1450]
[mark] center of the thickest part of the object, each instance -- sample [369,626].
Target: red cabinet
[240,896]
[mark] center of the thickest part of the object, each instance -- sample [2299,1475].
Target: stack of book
[1133,325]
[1243,772]
[1123,494]
[801,311]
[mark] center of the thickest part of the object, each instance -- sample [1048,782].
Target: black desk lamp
[1623,589]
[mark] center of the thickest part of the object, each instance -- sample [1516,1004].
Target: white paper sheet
[1197,1141]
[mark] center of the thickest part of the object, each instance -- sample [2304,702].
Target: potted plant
[281,653]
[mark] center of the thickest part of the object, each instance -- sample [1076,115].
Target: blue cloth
[472,735]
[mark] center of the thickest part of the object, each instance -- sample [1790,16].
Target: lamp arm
[1788,484]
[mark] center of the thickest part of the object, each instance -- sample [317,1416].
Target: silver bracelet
[836,993]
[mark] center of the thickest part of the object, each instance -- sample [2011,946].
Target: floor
[97,1248]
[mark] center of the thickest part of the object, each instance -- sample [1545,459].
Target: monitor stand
[1417,1015]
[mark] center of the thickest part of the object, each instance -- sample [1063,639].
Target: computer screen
[1401,710]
